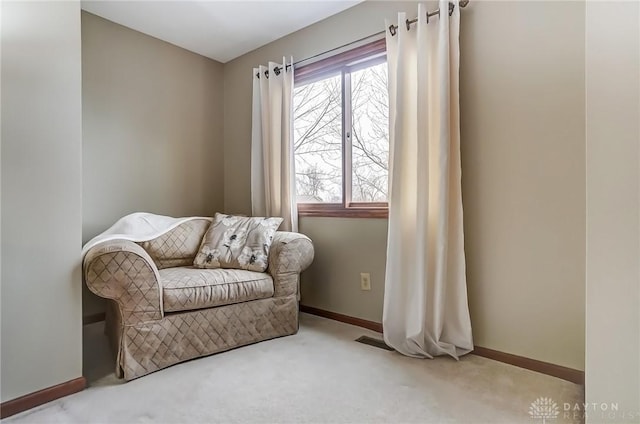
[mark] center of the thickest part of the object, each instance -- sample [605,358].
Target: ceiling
[220,30]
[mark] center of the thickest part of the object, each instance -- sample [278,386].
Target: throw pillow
[237,242]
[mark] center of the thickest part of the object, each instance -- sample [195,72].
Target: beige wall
[152,129]
[523,164]
[613,209]
[344,248]
[522,100]
[41,196]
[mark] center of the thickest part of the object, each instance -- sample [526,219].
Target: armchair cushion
[237,242]
[188,288]
[179,246]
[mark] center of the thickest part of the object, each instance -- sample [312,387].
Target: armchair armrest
[123,271]
[291,253]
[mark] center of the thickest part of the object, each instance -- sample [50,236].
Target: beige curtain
[425,301]
[272,163]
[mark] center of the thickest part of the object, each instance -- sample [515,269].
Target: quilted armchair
[163,311]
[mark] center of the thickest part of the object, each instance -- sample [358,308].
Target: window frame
[343,64]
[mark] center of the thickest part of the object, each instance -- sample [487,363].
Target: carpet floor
[320,375]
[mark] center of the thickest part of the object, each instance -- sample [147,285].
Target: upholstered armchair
[163,311]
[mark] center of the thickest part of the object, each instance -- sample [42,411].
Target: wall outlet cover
[365,281]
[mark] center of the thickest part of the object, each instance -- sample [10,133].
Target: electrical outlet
[365,281]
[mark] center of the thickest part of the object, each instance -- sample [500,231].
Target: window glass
[341,134]
[317,111]
[370,134]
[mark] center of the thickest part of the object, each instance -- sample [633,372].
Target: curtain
[272,163]
[425,300]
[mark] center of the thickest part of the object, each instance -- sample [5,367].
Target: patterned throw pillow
[237,242]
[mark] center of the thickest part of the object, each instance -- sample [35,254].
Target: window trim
[343,64]
[333,64]
[339,210]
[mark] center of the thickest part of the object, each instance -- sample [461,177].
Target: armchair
[163,311]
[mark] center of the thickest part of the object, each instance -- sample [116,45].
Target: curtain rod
[392,29]
[408,23]
[278,69]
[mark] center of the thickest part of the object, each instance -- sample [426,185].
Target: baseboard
[90,319]
[31,400]
[569,374]
[359,322]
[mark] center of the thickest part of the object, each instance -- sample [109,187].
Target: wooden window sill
[339,211]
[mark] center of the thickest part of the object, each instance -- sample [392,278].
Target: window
[341,134]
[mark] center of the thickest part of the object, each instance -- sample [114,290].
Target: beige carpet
[319,375]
